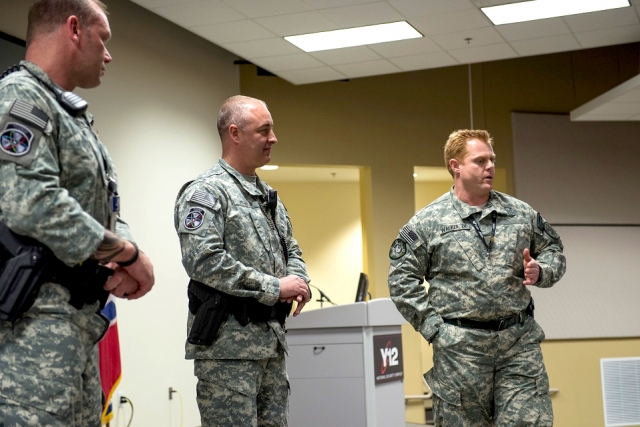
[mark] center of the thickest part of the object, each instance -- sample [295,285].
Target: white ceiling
[455,32]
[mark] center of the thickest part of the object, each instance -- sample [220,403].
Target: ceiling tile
[311,75]
[418,8]
[424,61]
[599,20]
[261,8]
[152,4]
[477,36]
[369,68]
[298,23]
[609,36]
[325,4]
[546,45]
[261,48]
[199,13]
[228,32]
[406,47]
[486,3]
[346,55]
[288,62]
[494,52]
[451,22]
[362,14]
[533,29]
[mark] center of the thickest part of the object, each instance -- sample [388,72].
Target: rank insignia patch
[15,139]
[398,249]
[194,219]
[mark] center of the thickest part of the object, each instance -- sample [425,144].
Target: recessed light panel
[358,36]
[542,9]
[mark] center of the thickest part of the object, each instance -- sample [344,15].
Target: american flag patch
[29,113]
[409,235]
[204,199]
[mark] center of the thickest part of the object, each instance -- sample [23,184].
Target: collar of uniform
[465,211]
[248,187]
[40,73]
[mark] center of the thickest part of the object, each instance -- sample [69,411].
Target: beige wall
[392,123]
[156,112]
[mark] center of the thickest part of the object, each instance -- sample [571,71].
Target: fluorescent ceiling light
[269,167]
[354,36]
[542,9]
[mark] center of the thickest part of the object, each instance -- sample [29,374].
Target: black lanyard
[494,218]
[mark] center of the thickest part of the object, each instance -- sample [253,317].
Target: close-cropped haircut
[47,15]
[234,112]
[456,145]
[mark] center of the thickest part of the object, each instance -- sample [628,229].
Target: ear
[73,28]
[455,165]
[234,133]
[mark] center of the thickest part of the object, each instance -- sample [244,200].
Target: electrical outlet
[121,399]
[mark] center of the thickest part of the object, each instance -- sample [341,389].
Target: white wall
[156,112]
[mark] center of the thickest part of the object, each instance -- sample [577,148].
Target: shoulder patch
[29,113]
[409,235]
[204,199]
[15,139]
[21,129]
[398,249]
[194,218]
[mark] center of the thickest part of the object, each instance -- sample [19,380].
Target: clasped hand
[293,288]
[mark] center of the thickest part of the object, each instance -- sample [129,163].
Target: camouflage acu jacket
[228,242]
[441,245]
[54,170]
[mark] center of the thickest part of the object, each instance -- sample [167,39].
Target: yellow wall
[392,123]
[326,223]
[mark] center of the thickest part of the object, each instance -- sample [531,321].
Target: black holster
[212,308]
[25,264]
[24,268]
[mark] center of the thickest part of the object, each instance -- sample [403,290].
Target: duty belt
[494,325]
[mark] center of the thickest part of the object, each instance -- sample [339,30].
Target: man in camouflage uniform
[233,243]
[478,249]
[57,184]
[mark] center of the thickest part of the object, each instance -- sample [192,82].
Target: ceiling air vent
[621,391]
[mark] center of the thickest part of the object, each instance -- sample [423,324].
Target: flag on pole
[110,368]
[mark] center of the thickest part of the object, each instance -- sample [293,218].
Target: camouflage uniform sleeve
[201,229]
[31,199]
[409,263]
[296,265]
[546,249]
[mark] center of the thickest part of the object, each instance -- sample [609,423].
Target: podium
[345,366]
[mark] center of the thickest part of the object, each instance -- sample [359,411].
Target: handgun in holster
[210,309]
[23,267]
[25,264]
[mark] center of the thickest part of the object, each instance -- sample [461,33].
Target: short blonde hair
[456,145]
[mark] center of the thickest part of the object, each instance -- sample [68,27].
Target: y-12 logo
[389,357]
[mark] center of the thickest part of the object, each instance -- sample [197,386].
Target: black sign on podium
[387,356]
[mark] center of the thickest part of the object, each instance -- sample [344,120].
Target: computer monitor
[363,288]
